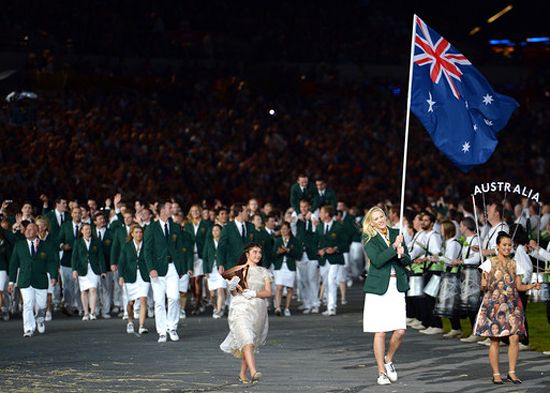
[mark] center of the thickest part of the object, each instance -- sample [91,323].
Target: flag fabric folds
[453,100]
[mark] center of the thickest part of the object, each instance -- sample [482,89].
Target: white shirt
[452,251]
[327,226]
[162,226]
[241,226]
[138,247]
[75,225]
[470,257]
[490,242]
[101,232]
[524,265]
[58,215]
[35,245]
[87,242]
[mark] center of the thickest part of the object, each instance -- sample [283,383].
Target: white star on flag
[475,127]
[430,102]
[488,99]
[488,122]
[466,147]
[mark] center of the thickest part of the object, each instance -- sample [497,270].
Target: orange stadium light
[499,14]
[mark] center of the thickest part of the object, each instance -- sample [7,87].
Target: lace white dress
[248,322]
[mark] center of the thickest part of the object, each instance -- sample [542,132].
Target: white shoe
[116,310]
[143,330]
[418,326]
[409,320]
[287,312]
[106,316]
[453,334]
[343,302]
[432,330]
[523,347]
[413,321]
[306,311]
[41,327]
[216,315]
[125,316]
[136,315]
[28,333]
[471,339]
[183,314]
[329,313]
[383,380]
[390,370]
[162,338]
[173,335]
[349,283]
[486,342]
[546,353]
[150,313]
[86,317]
[48,316]
[315,310]
[92,317]
[130,328]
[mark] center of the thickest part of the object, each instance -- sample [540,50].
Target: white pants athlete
[33,298]
[308,273]
[166,286]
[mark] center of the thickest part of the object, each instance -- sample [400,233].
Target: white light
[271,112]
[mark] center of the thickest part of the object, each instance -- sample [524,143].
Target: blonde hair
[368,229]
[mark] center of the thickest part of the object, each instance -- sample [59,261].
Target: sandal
[495,381]
[257,377]
[515,380]
[244,381]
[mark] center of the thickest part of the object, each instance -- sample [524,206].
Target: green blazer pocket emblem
[43,255]
[251,236]
[174,237]
[107,242]
[333,235]
[203,230]
[94,248]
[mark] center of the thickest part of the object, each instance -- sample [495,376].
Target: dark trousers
[524,297]
[411,309]
[427,309]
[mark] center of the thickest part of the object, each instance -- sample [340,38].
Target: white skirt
[385,313]
[3,281]
[215,279]
[197,266]
[183,283]
[90,280]
[137,289]
[284,276]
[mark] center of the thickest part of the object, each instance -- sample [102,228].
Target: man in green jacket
[106,285]
[68,233]
[323,195]
[121,233]
[34,261]
[331,240]
[167,259]
[235,236]
[302,189]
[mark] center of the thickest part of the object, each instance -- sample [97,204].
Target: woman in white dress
[88,264]
[133,275]
[216,283]
[385,287]
[248,322]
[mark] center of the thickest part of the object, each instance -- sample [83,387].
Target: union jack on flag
[455,103]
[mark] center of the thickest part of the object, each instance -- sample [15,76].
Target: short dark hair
[429,215]
[502,235]
[328,209]
[469,223]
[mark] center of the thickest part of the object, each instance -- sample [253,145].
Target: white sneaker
[136,315]
[183,314]
[486,342]
[349,283]
[383,380]
[216,315]
[471,339]
[173,335]
[162,338]
[343,302]
[390,370]
[523,347]
[409,320]
[287,312]
[130,328]
[425,331]
[150,313]
[143,330]
[86,317]
[315,310]
[546,353]
[413,321]
[28,333]
[48,316]
[41,327]
[329,313]
[125,316]
[418,326]
[92,317]
[453,334]
[106,316]
[116,310]
[432,330]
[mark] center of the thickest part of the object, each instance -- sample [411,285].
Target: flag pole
[407,121]
[477,229]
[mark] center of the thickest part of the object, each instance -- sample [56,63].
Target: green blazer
[336,237]
[130,261]
[382,259]
[350,230]
[53,224]
[328,198]
[159,252]
[66,236]
[232,245]
[82,256]
[294,253]
[296,194]
[205,228]
[106,243]
[308,239]
[120,237]
[33,270]
[266,241]
[209,254]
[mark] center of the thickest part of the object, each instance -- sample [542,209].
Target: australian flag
[455,103]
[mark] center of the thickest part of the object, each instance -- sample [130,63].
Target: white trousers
[344,271]
[71,290]
[166,287]
[119,294]
[33,298]
[106,286]
[356,259]
[331,286]
[308,275]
